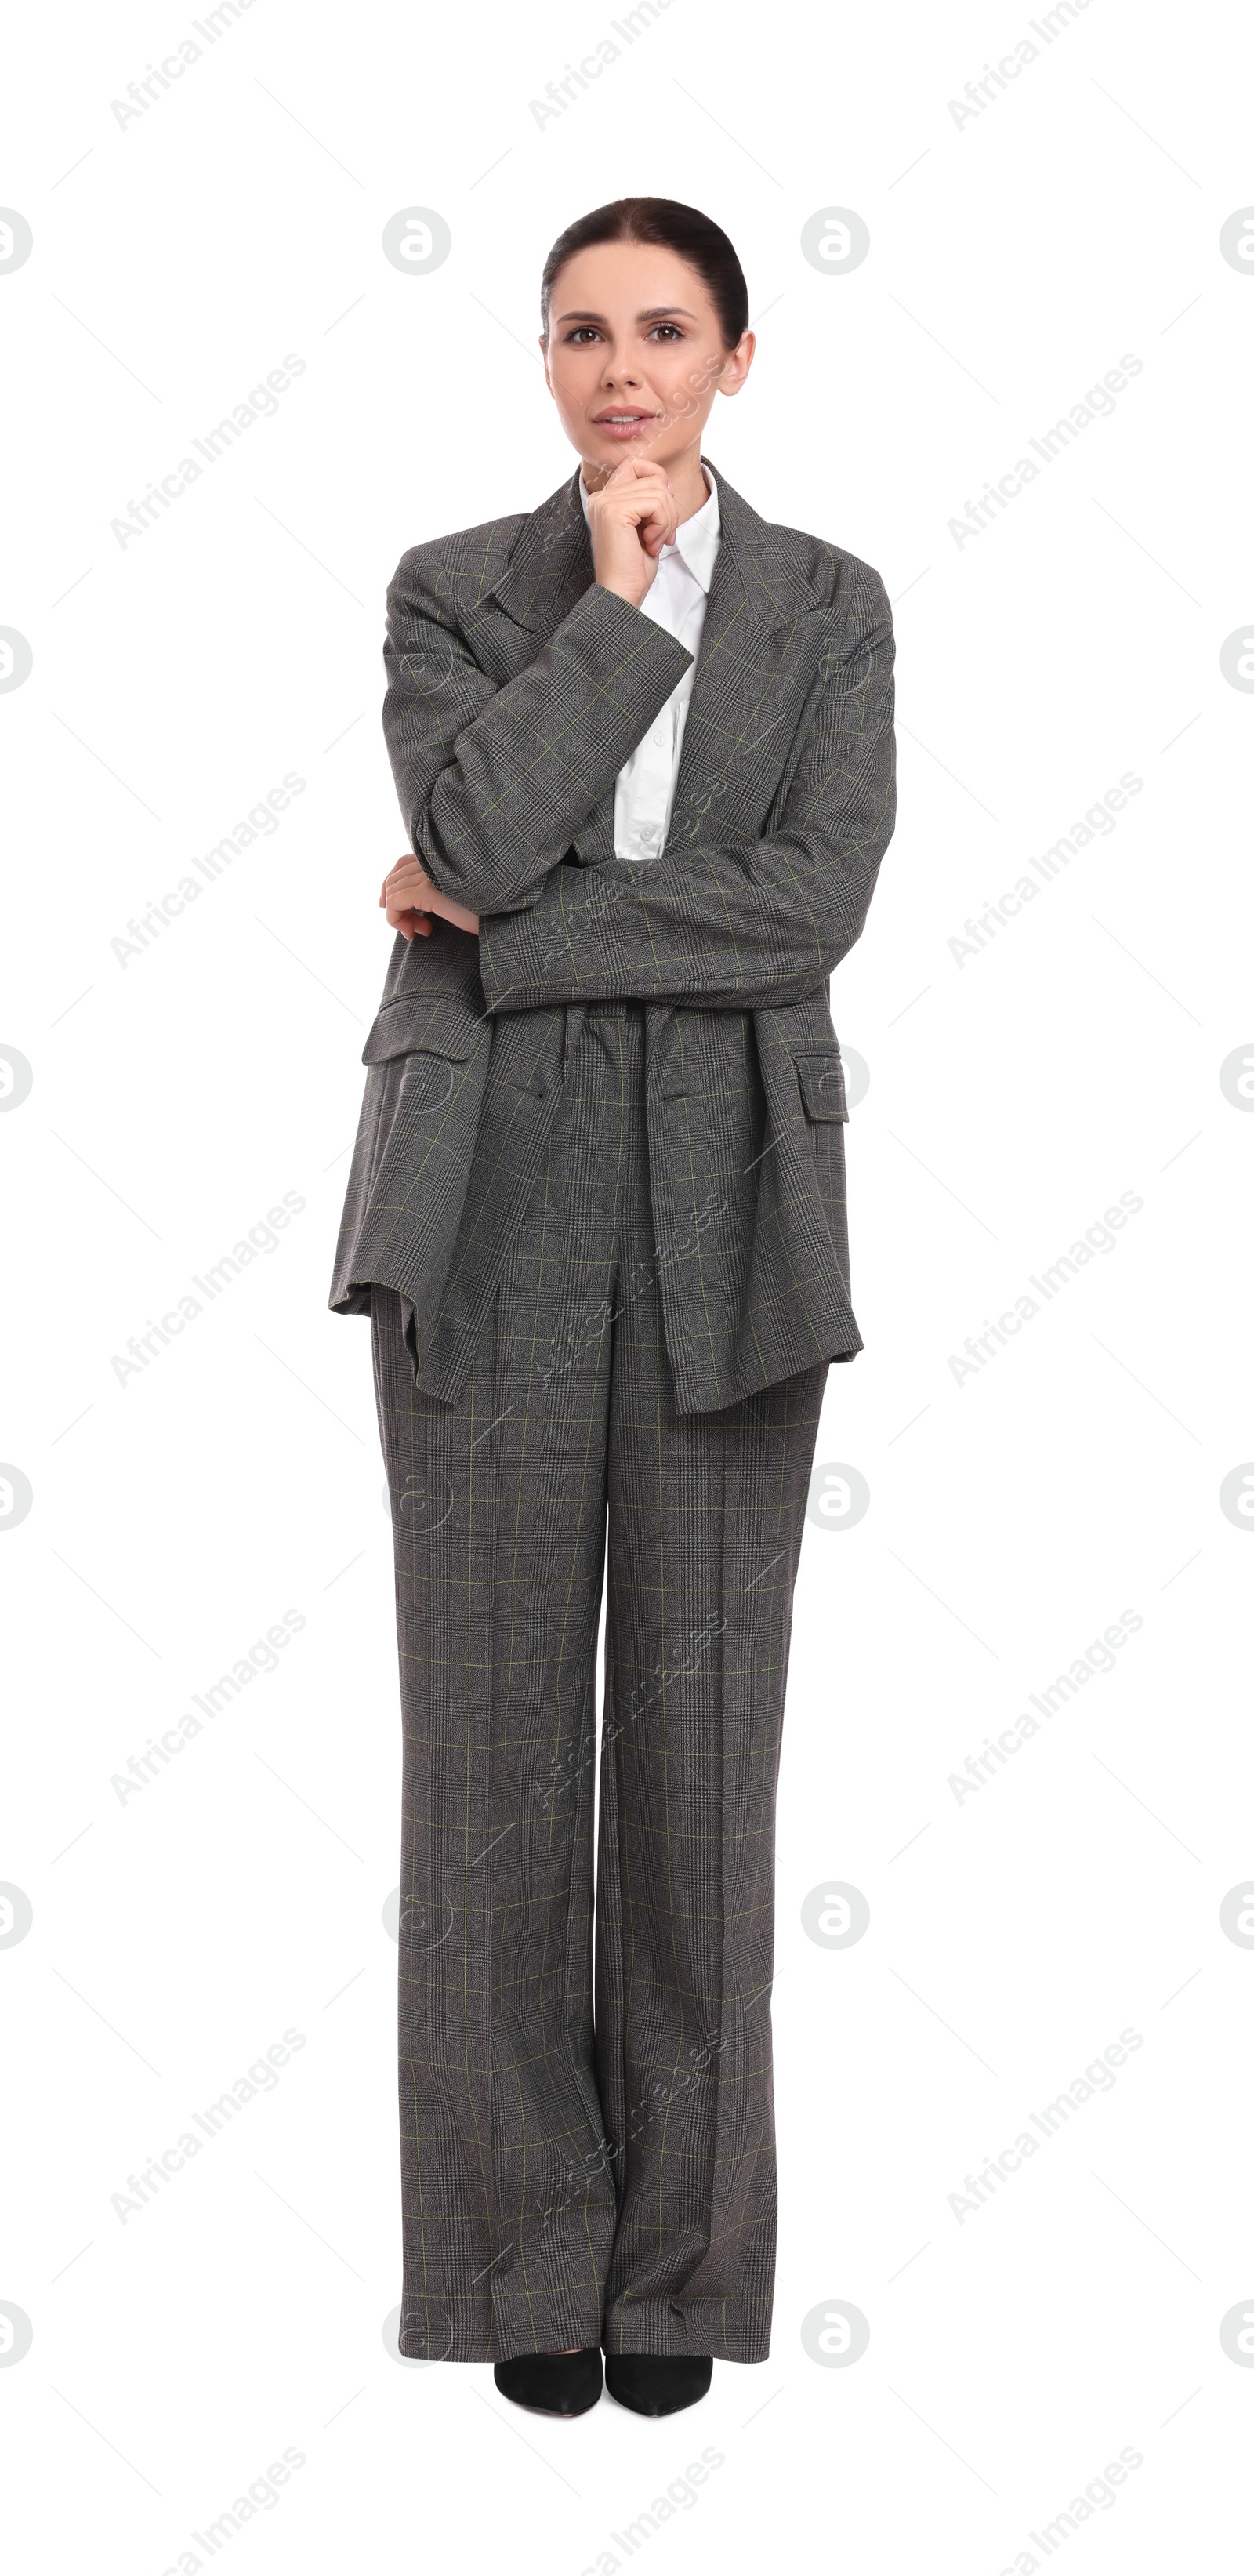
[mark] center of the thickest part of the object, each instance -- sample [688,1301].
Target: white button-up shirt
[644,790]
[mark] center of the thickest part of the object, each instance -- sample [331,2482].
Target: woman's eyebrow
[655,313]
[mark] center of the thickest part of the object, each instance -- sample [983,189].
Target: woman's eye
[588,331]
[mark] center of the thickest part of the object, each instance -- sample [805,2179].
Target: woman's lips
[625,428]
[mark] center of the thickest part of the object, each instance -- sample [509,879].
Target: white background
[1014,259]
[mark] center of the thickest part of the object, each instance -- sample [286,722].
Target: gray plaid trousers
[565,2184]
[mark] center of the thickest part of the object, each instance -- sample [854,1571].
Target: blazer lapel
[744,707]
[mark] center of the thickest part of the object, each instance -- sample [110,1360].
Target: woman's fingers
[413,925]
[406,888]
[413,903]
[632,517]
[645,498]
[659,517]
[661,533]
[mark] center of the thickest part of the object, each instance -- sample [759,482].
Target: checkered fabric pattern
[517,688]
[573,2176]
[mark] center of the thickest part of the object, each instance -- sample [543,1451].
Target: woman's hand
[630,519]
[412,903]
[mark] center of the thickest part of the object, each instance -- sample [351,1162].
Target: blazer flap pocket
[433,1023]
[822,1079]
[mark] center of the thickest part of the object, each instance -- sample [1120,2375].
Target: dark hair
[671,227]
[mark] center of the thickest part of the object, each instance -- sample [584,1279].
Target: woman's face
[635,354]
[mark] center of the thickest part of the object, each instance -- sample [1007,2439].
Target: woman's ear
[738,364]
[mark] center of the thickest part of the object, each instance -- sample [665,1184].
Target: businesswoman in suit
[642,740]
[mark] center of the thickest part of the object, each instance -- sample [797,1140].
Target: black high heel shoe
[552,2383]
[658,2383]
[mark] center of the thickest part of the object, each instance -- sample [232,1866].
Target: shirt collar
[696,539]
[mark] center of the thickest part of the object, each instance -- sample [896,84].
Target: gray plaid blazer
[517,687]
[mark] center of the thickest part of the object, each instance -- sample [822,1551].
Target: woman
[642,740]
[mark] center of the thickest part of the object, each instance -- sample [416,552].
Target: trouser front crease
[587,2134]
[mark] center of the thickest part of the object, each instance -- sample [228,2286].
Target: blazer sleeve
[495,782]
[752,922]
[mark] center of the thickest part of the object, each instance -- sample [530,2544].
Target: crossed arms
[495,783]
